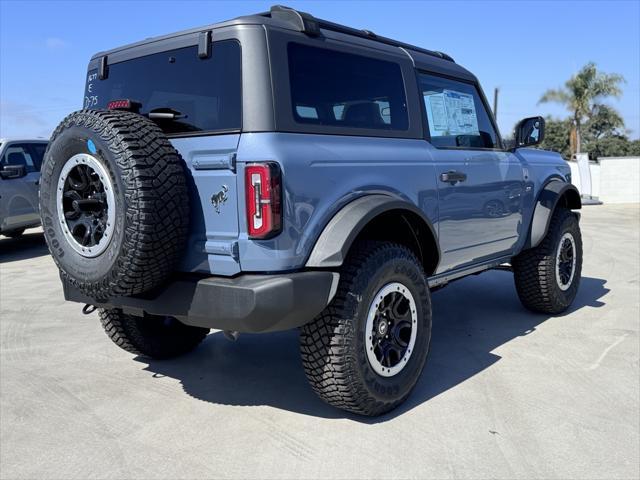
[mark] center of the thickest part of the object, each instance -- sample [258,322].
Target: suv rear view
[278,171]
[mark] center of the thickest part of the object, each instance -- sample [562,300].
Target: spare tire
[114,203]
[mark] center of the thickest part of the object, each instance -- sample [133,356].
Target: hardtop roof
[289,19]
[4,140]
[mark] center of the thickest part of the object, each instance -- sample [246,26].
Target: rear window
[207,92]
[345,90]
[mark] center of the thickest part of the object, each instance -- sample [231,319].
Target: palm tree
[581,92]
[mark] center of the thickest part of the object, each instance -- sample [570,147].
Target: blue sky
[521,47]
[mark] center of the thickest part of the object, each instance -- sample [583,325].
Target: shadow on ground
[28,245]
[471,318]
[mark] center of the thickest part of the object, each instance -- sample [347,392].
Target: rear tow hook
[88,309]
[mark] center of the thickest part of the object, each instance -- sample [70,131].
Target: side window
[340,89]
[455,114]
[37,153]
[18,155]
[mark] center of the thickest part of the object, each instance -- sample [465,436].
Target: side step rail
[441,279]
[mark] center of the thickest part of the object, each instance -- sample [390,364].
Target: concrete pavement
[505,394]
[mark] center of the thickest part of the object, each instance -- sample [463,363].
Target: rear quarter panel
[321,174]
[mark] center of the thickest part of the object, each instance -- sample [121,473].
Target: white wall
[613,179]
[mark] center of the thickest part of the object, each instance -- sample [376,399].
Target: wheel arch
[379,217]
[555,193]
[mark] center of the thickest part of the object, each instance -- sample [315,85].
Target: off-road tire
[333,345]
[151,202]
[14,233]
[150,336]
[534,269]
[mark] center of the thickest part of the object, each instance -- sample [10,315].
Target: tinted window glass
[37,152]
[19,155]
[456,114]
[207,91]
[346,90]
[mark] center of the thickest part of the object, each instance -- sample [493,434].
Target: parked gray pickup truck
[279,171]
[20,161]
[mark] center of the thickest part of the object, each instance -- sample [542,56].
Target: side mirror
[529,131]
[9,172]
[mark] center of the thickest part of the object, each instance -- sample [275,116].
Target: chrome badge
[220,198]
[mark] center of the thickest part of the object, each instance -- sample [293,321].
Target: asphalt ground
[505,393]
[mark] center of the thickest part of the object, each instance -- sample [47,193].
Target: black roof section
[289,18]
[311,26]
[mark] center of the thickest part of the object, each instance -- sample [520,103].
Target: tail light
[263,184]
[124,104]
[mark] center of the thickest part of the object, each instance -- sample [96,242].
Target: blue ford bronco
[279,171]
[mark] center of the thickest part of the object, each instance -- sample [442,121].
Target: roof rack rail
[308,24]
[305,22]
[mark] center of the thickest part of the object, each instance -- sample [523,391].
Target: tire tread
[156,196]
[326,343]
[126,332]
[534,269]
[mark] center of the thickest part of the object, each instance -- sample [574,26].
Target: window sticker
[451,113]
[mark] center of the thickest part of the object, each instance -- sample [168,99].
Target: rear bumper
[247,303]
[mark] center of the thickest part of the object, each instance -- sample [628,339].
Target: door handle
[453,177]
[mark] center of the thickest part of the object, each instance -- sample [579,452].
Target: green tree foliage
[613,146]
[581,94]
[604,135]
[556,136]
[603,121]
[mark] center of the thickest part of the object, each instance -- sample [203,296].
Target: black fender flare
[546,204]
[336,239]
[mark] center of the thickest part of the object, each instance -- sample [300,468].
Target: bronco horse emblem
[220,198]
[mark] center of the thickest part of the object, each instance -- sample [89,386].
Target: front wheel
[365,352]
[547,277]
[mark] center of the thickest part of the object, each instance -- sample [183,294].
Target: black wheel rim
[86,205]
[565,261]
[391,329]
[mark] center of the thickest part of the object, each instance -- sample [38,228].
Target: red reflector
[124,104]
[263,185]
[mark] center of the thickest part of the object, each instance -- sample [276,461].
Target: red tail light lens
[124,104]
[263,184]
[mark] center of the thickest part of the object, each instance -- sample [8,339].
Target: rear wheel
[150,336]
[365,352]
[547,277]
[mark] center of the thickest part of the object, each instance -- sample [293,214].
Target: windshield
[206,92]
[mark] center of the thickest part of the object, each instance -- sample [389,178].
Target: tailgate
[212,246]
